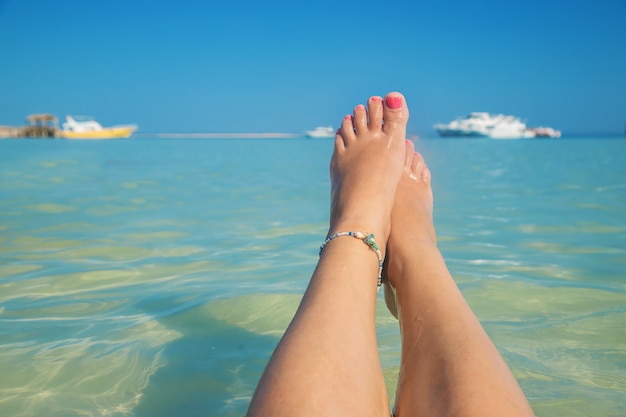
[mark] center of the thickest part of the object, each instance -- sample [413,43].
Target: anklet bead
[368,239]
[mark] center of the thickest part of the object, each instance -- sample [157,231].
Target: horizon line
[222,135]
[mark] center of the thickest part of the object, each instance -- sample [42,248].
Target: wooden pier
[41,126]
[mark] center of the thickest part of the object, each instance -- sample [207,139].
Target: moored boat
[321,132]
[497,126]
[86,128]
[482,124]
[546,132]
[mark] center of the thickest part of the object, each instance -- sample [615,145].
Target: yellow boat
[90,129]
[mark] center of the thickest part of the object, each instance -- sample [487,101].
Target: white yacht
[321,132]
[482,124]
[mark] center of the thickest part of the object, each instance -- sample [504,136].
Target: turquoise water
[150,277]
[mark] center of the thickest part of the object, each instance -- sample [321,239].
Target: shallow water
[151,277]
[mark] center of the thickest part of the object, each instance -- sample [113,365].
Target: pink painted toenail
[360,107]
[376,99]
[348,117]
[394,102]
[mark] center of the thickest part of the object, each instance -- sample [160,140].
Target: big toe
[395,113]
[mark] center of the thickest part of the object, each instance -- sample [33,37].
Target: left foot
[366,166]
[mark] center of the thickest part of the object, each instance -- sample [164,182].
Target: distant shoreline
[221,135]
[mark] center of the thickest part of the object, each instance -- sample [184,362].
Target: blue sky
[288,66]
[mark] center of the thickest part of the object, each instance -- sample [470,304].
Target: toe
[408,155]
[417,163]
[375,113]
[419,168]
[360,119]
[347,129]
[340,143]
[395,113]
[425,174]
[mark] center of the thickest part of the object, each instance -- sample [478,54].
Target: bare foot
[448,366]
[411,222]
[366,167]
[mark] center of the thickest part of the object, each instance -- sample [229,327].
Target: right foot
[411,222]
[366,167]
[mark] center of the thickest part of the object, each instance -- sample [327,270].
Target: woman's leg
[449,366]
[327,362]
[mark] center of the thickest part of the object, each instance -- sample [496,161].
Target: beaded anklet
[368,239]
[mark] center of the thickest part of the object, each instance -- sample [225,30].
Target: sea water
[151,277]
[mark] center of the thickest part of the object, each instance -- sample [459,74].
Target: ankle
[407,260]
[380,234]
[410,246]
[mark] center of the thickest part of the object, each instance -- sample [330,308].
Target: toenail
[348,117]
[360,107]
[394,102]
[376,99]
